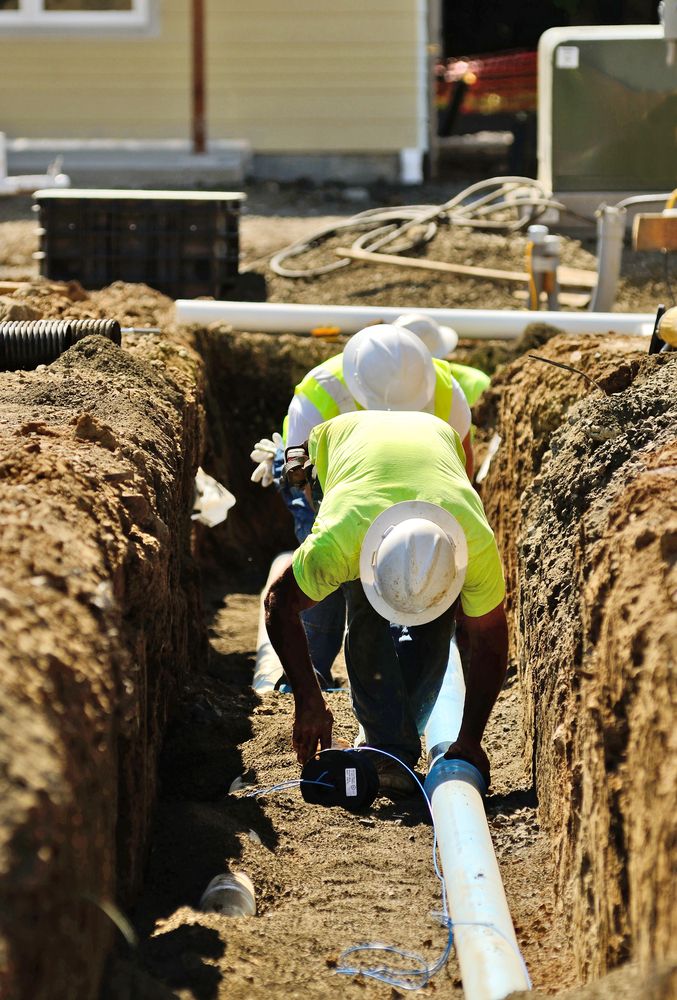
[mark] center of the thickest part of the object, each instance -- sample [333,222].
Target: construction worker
[402,533]
[441,341]
[383,367]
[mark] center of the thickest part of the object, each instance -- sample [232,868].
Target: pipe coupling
[453,770]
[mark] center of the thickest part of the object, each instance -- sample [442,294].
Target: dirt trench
[122,692]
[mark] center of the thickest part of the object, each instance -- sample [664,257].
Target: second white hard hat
[440,340]
[388,368]
[413,562]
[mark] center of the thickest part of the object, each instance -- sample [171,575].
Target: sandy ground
[325,880]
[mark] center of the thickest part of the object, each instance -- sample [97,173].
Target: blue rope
[406,978]
[295,783]
[413,978]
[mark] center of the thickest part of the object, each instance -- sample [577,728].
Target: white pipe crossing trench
[473,324]
[490,961]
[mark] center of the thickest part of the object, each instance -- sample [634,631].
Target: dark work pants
[395,673]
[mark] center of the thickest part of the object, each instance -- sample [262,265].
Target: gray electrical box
[607,112]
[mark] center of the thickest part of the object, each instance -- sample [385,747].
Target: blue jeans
[324,624]
[395,673]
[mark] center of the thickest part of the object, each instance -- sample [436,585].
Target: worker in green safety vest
[403,534]
[383,367]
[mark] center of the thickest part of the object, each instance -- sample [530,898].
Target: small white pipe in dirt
[268,669]
[27,182]
[488,954]
[474,324]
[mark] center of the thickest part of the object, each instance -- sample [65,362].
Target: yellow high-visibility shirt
[366,462]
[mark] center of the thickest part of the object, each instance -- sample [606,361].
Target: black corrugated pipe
[25,344]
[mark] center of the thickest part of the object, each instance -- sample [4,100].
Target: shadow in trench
[519,798]
[177,957]
[176,960]
[199,827]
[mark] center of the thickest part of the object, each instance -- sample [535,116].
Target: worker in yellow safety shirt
[403,534]
[383,367]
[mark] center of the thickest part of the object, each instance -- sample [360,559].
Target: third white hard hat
[440,340]
[388,368]
[413,562]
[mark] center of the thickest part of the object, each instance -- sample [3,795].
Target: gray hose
[505,204]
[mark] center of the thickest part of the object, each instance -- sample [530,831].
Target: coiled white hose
[506,204]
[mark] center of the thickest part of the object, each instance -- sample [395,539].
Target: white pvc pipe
[445,718]
[488,954]
[268,669]
[26,182]
[476,324]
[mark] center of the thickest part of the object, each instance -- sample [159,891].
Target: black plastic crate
[182,244]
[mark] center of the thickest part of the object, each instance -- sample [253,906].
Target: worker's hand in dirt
[264,453]
[473,753]
[313,723]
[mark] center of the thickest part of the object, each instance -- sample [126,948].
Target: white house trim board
[32,17]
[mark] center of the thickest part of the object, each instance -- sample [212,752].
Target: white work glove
[264,452]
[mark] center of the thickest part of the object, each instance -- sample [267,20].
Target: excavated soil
[123,681]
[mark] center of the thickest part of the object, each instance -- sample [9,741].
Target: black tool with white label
[344,778]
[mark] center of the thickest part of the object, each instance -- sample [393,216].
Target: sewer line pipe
[473,324]
[268,669]
[488,954]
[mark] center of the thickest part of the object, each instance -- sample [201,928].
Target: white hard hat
[413,562]
[388,368]
[440,340]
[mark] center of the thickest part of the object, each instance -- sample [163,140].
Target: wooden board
[654,231]
[573,300]
[572,277]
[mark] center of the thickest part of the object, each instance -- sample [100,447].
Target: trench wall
[99,594]
[101,619]
[582,493]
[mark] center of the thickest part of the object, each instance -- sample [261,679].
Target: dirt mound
[101,617]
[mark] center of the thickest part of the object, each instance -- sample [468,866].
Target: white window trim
[32,18]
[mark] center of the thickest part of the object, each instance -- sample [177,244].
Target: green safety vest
[471,380]
[326,389]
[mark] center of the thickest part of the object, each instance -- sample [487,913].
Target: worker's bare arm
[488,638]
[313,720]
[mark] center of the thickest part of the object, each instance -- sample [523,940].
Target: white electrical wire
[506,204]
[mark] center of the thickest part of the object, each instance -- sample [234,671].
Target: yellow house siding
[89,86]
[287,76]
[314,77]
